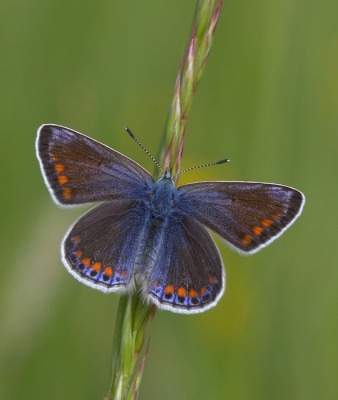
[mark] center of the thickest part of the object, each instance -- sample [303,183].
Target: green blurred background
[268,100]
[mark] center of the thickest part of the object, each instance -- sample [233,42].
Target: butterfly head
[167,178]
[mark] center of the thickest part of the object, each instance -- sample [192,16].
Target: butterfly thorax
[162,200]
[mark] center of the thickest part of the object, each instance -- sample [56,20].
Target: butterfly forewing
[247,215]
[78,169]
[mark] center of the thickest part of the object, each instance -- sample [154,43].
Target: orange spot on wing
[203,290]
[78,253]
[59,168]
[182,292]
[246,239]
[257,230]
[67,193]
[109,271]
[212,279]
[193,293]
[97,266]
[266,223]
[169,289]
[275,217]
[62,179]
[86,262]
[77,239]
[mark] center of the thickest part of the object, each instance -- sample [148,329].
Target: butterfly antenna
[202,166]
[143,148]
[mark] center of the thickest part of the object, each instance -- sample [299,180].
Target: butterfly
[149,235]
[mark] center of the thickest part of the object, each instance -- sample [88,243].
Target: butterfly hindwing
[101,247]
[78,169]
[188,275]
[247,215]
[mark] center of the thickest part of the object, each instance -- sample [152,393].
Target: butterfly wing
[100,248]
[247,215]
[78,169]
[187,275]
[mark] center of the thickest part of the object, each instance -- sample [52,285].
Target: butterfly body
[151,236]
[158,211]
